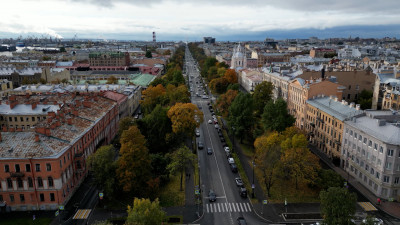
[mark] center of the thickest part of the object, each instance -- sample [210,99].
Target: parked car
[375,220]
[243,192]
[212,197]
[220,134]
[197,133]
[137,116]
[231,160]
[209,121]
[222,139]
[233,167]
[226,149]
[200,145]
[241,221]
[209,151]
[239,182]
[216,126]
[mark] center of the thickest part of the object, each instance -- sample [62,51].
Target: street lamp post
[252,185]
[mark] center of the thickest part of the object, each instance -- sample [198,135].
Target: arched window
[19,183]
[51,182]
[40,182]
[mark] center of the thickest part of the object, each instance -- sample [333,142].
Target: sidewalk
[391,208]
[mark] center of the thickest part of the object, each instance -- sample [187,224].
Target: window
[377,175]
[375,146]
[19,183]
[52,198]
[21,119]
[372,171]
[379,162]
[48,166]
[347,130]
[390,152]
[355,135]
[37,167]
[33,119]
[386,179]
[12,198]
[30,182]
[1,198]
[40,182]
[370,143]
[351,133]
[396,180]
[363,152]
[51,182]
[365,140]
[28,167]
[9,183]
[366,167]
[388,165]
[345,141]
[17,168]
[362,163]
[22,197]
[7,168]
[42,197]
[380,149]
[360,137]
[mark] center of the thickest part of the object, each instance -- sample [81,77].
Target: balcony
[17,174]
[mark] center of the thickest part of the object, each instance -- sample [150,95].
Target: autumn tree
[219,85]
[145,212]
[230,76]
[153,96]
[338,205]
[183,120]
[180,160]
[297,160]
[261,96]
[225,100]
[267,158]
[103,166]
[177,94]
[328,178]
[241,115]
[276,116]
[124,124]
[112,80]
[134,168]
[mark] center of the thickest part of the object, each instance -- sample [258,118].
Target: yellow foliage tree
[230,76]
[152,96]
[183,117]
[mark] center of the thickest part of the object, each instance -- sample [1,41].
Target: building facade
[43,169]
[371,152]
[239,59]
[280,82]
[109,59]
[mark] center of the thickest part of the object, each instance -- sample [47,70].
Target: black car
[220,134]
[222,139]
[241,221]
[233,167]
[243,192]
[212,197]
[200,145]
[209,151]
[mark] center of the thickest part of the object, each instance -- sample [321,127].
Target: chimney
[34,104]
[58,123]
[4,128]
[336,99]
[13,104]
[358,107]
[48,132]
[352,105]
[69,121]
[49,119]
[28,95]
[75,112]
[86,104]
[37,138]
[12,98]
[323,74]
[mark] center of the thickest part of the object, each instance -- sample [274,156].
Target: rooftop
[339,110]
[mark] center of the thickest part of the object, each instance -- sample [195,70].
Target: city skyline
[191,20]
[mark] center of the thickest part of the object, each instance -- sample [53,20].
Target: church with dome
[239,59]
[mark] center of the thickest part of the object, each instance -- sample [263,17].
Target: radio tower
[154,37]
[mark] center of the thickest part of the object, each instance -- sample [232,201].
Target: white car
[231,160]
[376,221]
[227,149]
[210,122]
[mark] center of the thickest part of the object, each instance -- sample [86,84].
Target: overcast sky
[192,19]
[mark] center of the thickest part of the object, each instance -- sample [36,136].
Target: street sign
[265,202]
[253,186]
[101,194]
[61,207]
[57,213]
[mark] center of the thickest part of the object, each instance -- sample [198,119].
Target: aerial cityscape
[199,112]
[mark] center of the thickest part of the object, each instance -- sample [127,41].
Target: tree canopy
[225,100]
[261,96]
[145,212]
[338,205]
[180,159]
[241,115]
[276,116]
[183,118]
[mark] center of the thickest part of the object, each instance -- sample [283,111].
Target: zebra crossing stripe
[248,205]
[234,208]
[230,207]
[237,206]
[219,209]
[207,208]
[215,208]
[244,206]
[226,207]
[241,207]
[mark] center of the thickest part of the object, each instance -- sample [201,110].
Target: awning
[367,206]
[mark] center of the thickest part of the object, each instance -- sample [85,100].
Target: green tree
[180,160]
[261,96]
[103,166]
[338,205]
[104,222]
[145,212]
[134,165]
[178,78]
[124,124]
[329,178]
[241,115]
[148,54]
[62,49]
[276,116]
[365,99]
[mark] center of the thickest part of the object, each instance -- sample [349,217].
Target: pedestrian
[379,201]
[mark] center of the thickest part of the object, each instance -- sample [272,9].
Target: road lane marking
[230,207]
[234,208]
[207,208]
[241,207]
[219,210]
[226,207]
[248,205]
[215,208]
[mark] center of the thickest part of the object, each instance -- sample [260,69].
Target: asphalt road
[215,172]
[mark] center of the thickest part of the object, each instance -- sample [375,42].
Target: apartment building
[302,90]
[41,169]
[6,87]
[371,152]
[112,59]
[280,82]
[321,52]
[324,123]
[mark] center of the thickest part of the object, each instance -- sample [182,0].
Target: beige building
[324,123]
[6,87]
[109,59]
[280,82]
[51,75]
[302,90]
[354,81]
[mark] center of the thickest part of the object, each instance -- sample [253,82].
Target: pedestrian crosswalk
[227,207]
